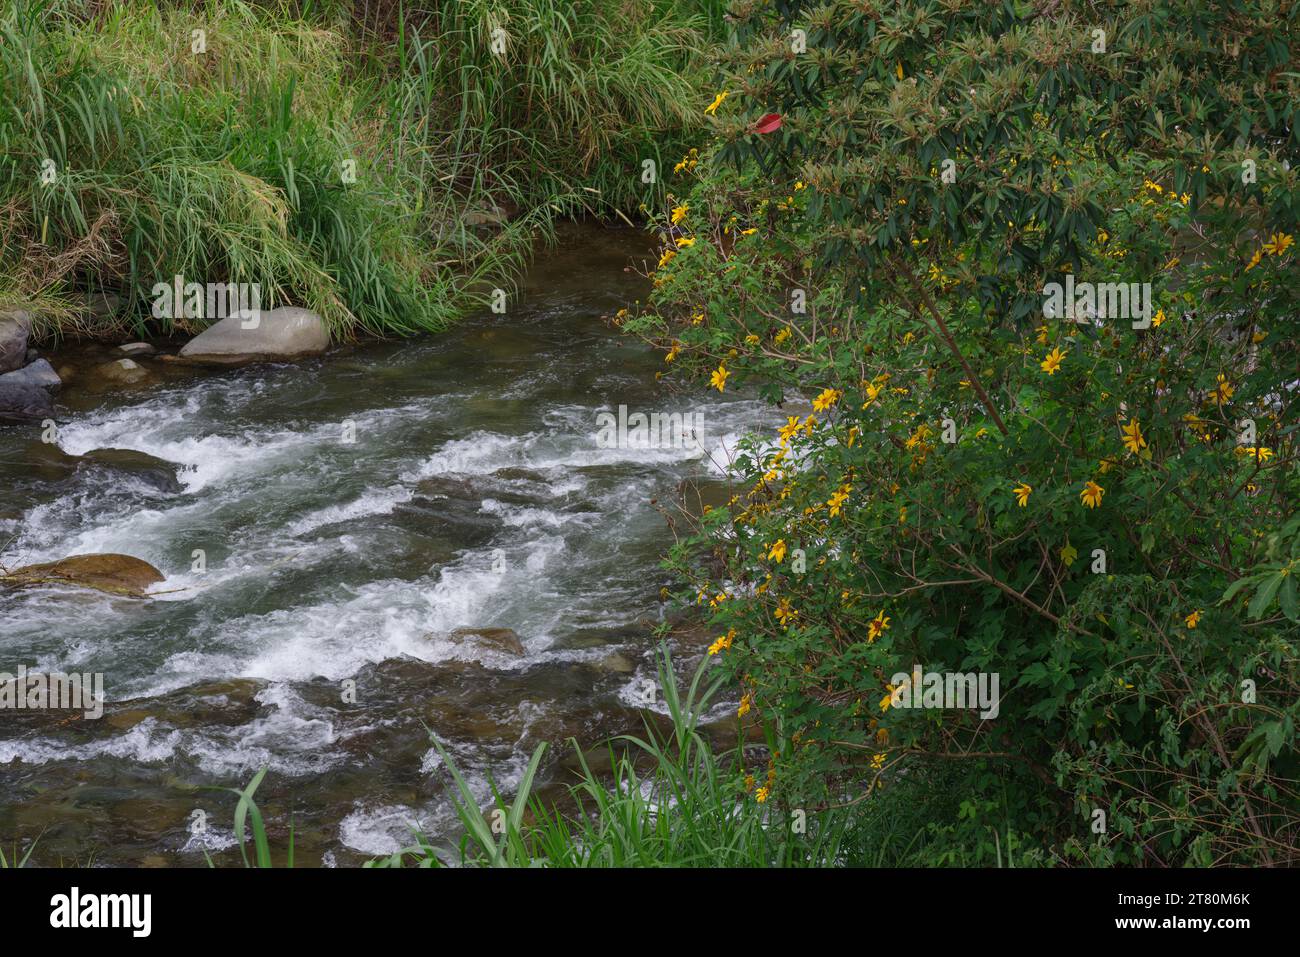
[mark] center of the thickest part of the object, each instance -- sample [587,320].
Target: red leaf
[768,124]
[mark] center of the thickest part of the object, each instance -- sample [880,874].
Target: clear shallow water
[475,495]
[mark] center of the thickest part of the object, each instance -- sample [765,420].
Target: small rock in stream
[121,372]
[504,640]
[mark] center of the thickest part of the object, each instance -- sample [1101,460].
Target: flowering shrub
[1099,508]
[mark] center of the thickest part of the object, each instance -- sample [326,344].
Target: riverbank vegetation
[384,167]
[1098,509]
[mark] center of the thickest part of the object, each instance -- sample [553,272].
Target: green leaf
[1263,599]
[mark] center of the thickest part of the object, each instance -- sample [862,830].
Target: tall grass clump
[555,102]
[222,166]
[303,151]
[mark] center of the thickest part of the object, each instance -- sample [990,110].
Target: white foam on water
[380,830]
[208,458]
[292,739]
[523,516]
[378,502]
[367,624]
[148,742]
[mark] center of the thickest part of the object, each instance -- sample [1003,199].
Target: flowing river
[352,517]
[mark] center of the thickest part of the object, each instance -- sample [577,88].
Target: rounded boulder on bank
[285,333]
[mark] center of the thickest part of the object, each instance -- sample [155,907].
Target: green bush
[980,488]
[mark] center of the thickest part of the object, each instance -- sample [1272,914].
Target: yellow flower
[784,613]
[672,353]
[761,795]
[723,642]
[745,703]
[790,428]
[679,212]
[777,551]
[1278,244]
[1158,318]
[719,378]
[1222,390]
[1133,440]
[684,241]
[1052,362]
[750,231]
[717,102]
[888,699]
[1194,619]
[1042,335]
[782,335]
[1254,260]
[1091,494]
[667,257]
[697,318]
[1021,492]
[1261,453]
[827,399]
[877,626]
[752,340]
[836,501]
[877,762]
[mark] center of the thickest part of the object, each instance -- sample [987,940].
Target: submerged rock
[504,640]
[619,664]
[108,572]
[47,463]
[15,327]
[457,519]
[121,372]
[132,349]
[157,472]
[23,402]
[39,373]
[284,333]
[225,703]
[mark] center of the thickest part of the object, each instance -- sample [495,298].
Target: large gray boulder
[39,373]
[284,333]
[15,327]
[23,402]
